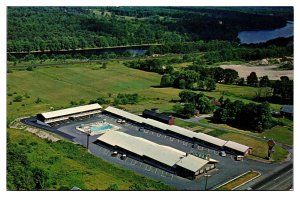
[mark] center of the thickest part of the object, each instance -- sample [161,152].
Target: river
[248,37]
[134,50]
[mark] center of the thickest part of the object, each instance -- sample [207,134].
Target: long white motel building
[179,132]
[165,157]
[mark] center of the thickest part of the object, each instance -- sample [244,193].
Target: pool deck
[97,124]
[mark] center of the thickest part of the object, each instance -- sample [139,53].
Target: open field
[69,165]
[269,70]
[57,86]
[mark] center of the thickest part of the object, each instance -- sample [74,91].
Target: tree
[188,110]
[205,105]
[182,84]
[252,79]
[177,108]
[230,76]
[241,81]
[166,80]
[210,84]
[264,81]
[187,96]
[221,115]
[169,69]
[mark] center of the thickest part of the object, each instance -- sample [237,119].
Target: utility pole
[88,132]
[206,177]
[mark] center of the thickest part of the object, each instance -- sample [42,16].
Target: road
[282,182]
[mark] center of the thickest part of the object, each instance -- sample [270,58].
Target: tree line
[57,28]
[256,117]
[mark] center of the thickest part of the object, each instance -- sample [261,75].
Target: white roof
[192,163]
[175,129]
[164,154]
[156,124]
[210,139]
[125,114]
[236,146]
[72,110]
[182,131]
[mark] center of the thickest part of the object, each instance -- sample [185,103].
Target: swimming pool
[101,128]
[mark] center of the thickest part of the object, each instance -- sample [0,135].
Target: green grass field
[282,134]
[70,165]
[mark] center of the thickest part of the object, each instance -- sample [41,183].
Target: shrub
[29,68]
[18,99]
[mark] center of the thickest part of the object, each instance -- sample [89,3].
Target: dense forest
[58,28]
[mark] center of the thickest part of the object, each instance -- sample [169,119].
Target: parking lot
[132,162]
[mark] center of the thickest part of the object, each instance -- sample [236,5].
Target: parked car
[239,157]
[119,121]
[123,156]
[115,153]
[142,129]
[222,153]
[123,122]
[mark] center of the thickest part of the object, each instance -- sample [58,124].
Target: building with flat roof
[164,157]
[174,130]
[64,114]
[237,148]
[170,120]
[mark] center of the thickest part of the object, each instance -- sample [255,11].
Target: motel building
[49,118]
[164,157]
[181,133]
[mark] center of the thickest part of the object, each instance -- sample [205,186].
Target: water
[135,51]
[247,37]
[101,128]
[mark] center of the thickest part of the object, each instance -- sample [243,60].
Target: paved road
[282,182]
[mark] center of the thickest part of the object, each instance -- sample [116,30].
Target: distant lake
[247,37]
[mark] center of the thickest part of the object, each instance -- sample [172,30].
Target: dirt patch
[245,71]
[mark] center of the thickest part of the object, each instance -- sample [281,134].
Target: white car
[239,157]
[119,121]
[222,153]
[115,153]
[123,122]
[123,156]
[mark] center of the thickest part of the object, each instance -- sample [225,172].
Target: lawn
[260,148]
[282,134]
[70,165]
[182,123]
